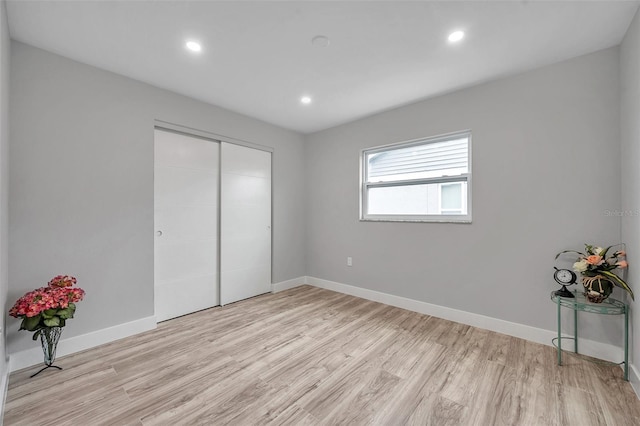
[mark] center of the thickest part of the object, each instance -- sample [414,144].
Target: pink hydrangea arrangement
[48,306]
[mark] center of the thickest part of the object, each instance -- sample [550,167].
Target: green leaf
[37,334]
[49,313]
[52,322]
[616,280]
[30,324]
[604,253]
[65,313]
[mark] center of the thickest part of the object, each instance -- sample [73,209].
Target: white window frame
[365,186]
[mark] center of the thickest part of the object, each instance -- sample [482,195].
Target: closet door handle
[159,233]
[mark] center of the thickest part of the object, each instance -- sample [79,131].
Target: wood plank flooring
[309,356]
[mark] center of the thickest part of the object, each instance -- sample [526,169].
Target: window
[428,180]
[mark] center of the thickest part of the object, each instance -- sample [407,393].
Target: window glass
[451,198]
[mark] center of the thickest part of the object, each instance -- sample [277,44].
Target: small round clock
[564,277]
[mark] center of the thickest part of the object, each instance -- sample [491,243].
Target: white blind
[443,158]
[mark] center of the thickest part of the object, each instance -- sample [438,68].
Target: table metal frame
[609,306]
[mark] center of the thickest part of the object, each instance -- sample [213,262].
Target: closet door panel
[245,245]
[186,192]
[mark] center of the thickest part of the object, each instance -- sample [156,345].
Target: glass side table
[610,306]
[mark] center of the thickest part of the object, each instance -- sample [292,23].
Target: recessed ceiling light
[305,100]
[194,46]
[320,41]
[456,36]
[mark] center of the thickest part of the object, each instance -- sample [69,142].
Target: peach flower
[595,260]
[622,264]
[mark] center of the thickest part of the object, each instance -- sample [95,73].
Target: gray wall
[630,136]
[546,161]
[81,184]
[4,183]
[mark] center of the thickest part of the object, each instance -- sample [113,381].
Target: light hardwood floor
[309,356]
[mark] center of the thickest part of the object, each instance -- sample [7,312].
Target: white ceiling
[258,58]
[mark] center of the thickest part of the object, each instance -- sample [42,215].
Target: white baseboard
[587,347]
[286,285]
[4,386]
[34,356]
[599,350]
[634,379]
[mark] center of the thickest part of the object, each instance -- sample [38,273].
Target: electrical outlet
[349,261]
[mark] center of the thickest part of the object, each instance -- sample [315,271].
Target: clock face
[564,276]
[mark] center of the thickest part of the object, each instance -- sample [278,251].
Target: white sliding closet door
[186,224]
[245,223]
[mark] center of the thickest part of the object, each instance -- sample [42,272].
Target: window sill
[449,219]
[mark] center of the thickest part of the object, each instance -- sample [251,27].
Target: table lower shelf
[579,303]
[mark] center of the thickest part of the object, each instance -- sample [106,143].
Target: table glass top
[609,306]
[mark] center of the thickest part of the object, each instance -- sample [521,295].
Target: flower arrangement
[596,265]
[49,306]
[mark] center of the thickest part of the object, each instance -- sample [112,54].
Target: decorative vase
[49,337]
[596,288]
